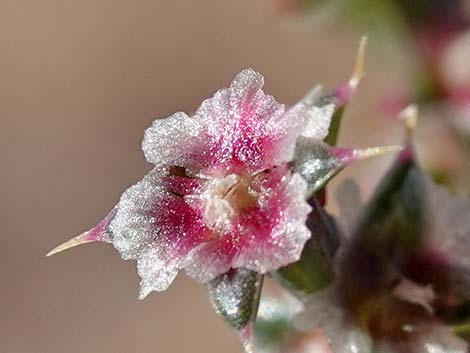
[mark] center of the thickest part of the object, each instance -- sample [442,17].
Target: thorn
[410,116]
[78,240]
[370,152]
[358,72]
[344,92]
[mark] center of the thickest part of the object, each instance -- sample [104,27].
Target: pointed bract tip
[358,72]
[78,240]
[370,152]
[410,116]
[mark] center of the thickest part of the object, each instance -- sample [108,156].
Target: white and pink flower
[222,194]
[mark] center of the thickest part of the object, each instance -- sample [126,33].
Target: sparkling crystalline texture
[239,130]
[234,296]
[222,195]
[262,238]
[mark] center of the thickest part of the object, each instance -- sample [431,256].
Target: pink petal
[238,130]
[212,258]
[157,229]
[171,141]
[263,238]
[181,185]
[242,125]
[276,232]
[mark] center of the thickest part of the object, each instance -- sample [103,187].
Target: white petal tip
[143,293]
[358,72]
[79,240]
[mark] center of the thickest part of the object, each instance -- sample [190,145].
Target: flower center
[224,198]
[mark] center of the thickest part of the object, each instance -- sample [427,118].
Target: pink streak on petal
[157,229]
[275,231]
[245,130]
[179,228]
[212,258]
[262,238]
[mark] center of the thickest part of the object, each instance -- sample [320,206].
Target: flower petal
[171,141]
[239,129]
[157,229]
[263,238]
[243,125]
[318,120]
[280,233]
[210,259]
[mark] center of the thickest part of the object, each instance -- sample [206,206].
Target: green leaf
[389,230]
[333,133]
[235,296]
[318,163]
[314,162]
[462,330]
[396,212]
[314,270]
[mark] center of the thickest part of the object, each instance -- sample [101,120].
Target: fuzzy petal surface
[157,229]
[239,129]
[262,239]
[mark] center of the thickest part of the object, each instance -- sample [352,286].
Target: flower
[222,194]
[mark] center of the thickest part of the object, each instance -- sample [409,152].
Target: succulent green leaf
[314,270]
[333,133]
[396,212]
[235,296]
[318,163]
[314,162]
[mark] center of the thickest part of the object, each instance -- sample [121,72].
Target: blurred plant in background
[400,278]
[436,34]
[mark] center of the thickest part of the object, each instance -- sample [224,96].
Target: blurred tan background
[79,82]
